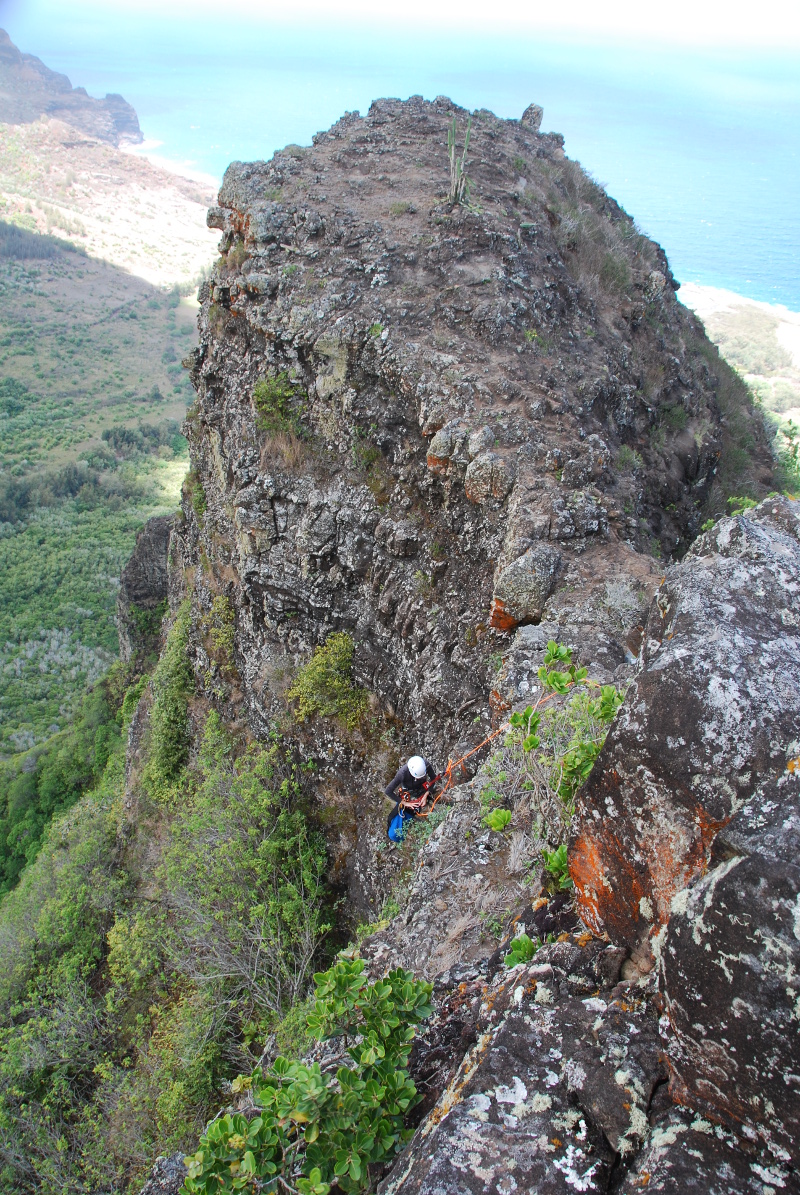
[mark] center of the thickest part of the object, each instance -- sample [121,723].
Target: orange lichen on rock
[500,617]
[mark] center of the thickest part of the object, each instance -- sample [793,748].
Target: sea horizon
[700,146]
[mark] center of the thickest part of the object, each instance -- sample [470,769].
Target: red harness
[406,801]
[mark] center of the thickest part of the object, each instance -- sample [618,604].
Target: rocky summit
[450,414]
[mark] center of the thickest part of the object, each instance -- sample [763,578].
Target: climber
[409,790]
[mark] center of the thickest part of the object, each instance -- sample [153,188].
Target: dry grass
[603,249]
[285,448]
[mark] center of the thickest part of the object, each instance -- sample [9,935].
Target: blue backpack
[397,826]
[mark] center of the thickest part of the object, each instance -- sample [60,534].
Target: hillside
[96,248]
[761,341]
[444,457]
[29,90]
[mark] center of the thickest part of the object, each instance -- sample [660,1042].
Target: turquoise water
[702,148]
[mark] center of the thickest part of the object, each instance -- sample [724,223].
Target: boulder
[166,1177]
[555,1088]
[689,826]
[713,713]
[523,587]
[729,974]
[686,1155]
[488,476]
[532,117]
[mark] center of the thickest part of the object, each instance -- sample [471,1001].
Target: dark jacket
[405,780]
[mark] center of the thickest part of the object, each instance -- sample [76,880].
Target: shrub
[557,867]
[551,746]
[243,876]
[220,626]
[278,404]
[313,1130]
[368,459]
[168,744]
[522,950]
[497,819]
[738,505]
[48,780]
[324,686]
[197,495]
[628,459]
[615,274]
[675,417]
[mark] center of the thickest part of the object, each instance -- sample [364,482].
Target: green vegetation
[460,184]
[312,1129]
[557,867]
[675,417]
[279,405]
[197,495]
[614,274]
[91,397]
[747,338]
[522,950]
[140,975]
[603,250]
[324,686]
[369,460]
[550,749]
[220,627]
[628,459]
[36,786]
[744,433]
[497,819]
[173,682]
[59,567]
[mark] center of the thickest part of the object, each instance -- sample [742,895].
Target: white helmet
[417,767]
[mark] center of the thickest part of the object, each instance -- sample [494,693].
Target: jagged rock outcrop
[456,433]
[686,845]
[713,716]
[29,89]
[482,399]
[556,1087]
[143,588]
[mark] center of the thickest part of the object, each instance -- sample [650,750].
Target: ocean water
[701,147]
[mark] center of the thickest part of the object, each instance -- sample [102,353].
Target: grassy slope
[90,342]
[84,347]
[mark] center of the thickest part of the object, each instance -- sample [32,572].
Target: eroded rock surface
[713,714]
[143,589]
[687,837]
[556,1086]
[465,383]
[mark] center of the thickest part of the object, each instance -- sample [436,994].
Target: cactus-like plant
[459,182]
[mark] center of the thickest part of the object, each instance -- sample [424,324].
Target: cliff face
[456,433]
[29,90]
[490,415]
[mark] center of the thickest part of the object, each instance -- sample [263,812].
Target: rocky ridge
[490,405]
[30,90]
[486,420]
